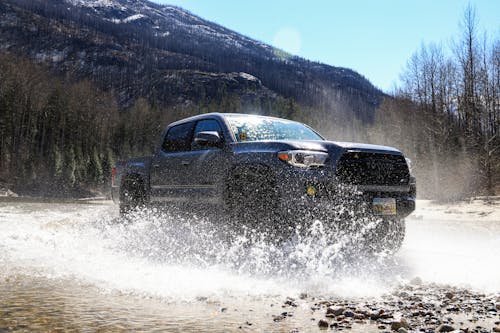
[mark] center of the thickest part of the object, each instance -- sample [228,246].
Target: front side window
[257,128]
[178,138]
[208,125]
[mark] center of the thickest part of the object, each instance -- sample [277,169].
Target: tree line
[446,112]
[61,136]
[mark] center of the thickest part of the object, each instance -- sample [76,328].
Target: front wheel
[388,236]
[252,202]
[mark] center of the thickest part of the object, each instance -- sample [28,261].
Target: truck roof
[219,115]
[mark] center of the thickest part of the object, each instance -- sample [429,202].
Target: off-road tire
[132,195]
[252,202]
[388,236]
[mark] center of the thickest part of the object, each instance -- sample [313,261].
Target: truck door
[209,164]
[170,165]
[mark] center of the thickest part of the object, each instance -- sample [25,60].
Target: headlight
[408,162]
[303,158]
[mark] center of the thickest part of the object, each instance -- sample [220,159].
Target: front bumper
[309,190]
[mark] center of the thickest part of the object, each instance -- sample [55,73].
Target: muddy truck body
[268,171]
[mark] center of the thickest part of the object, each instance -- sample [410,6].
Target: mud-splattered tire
[388,236]
[252,201]
[132,195]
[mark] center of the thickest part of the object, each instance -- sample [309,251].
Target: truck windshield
[258,128]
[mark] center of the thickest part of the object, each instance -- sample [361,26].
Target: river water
[73,266]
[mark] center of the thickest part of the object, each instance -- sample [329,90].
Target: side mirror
[207,138]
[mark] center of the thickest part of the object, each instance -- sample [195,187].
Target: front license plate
[384,206]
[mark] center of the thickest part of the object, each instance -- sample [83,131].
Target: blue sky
[375,38]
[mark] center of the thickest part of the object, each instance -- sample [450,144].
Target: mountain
[137,48]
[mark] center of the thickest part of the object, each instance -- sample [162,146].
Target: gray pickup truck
[267,171]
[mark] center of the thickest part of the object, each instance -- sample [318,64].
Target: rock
[348,313]
[449,295]
[223,310]
[336,311]
[396,325]
[7,193]
[290,302]
[402,330]
[323,323]
[385,315]
[359,316]
[496,329]
[374,315]
[445,328]
[303,296]
[278,318]
[403,294]
[381,327]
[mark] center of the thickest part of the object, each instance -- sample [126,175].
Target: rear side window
[178,138]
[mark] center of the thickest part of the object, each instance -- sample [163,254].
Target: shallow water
[72,266]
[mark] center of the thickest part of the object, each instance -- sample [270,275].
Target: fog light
[311,190]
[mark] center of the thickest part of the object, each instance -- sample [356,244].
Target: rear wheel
[132,196]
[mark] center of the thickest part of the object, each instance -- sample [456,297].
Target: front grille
[364,168]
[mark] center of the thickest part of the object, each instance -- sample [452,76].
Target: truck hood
[365,147]
[333,145]
[334,148]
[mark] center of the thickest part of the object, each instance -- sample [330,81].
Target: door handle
[186,163]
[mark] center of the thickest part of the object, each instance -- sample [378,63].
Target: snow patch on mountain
[95,3]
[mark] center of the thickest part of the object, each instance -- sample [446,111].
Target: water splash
[183,256]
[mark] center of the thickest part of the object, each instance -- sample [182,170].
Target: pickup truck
[267,171]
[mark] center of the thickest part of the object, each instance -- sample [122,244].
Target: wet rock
[335,311]
[323,323]
[403,294]
[396,325]
[359,316]
[348,313]
[290,302]
[385,315]
[278,318]
[445,328]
